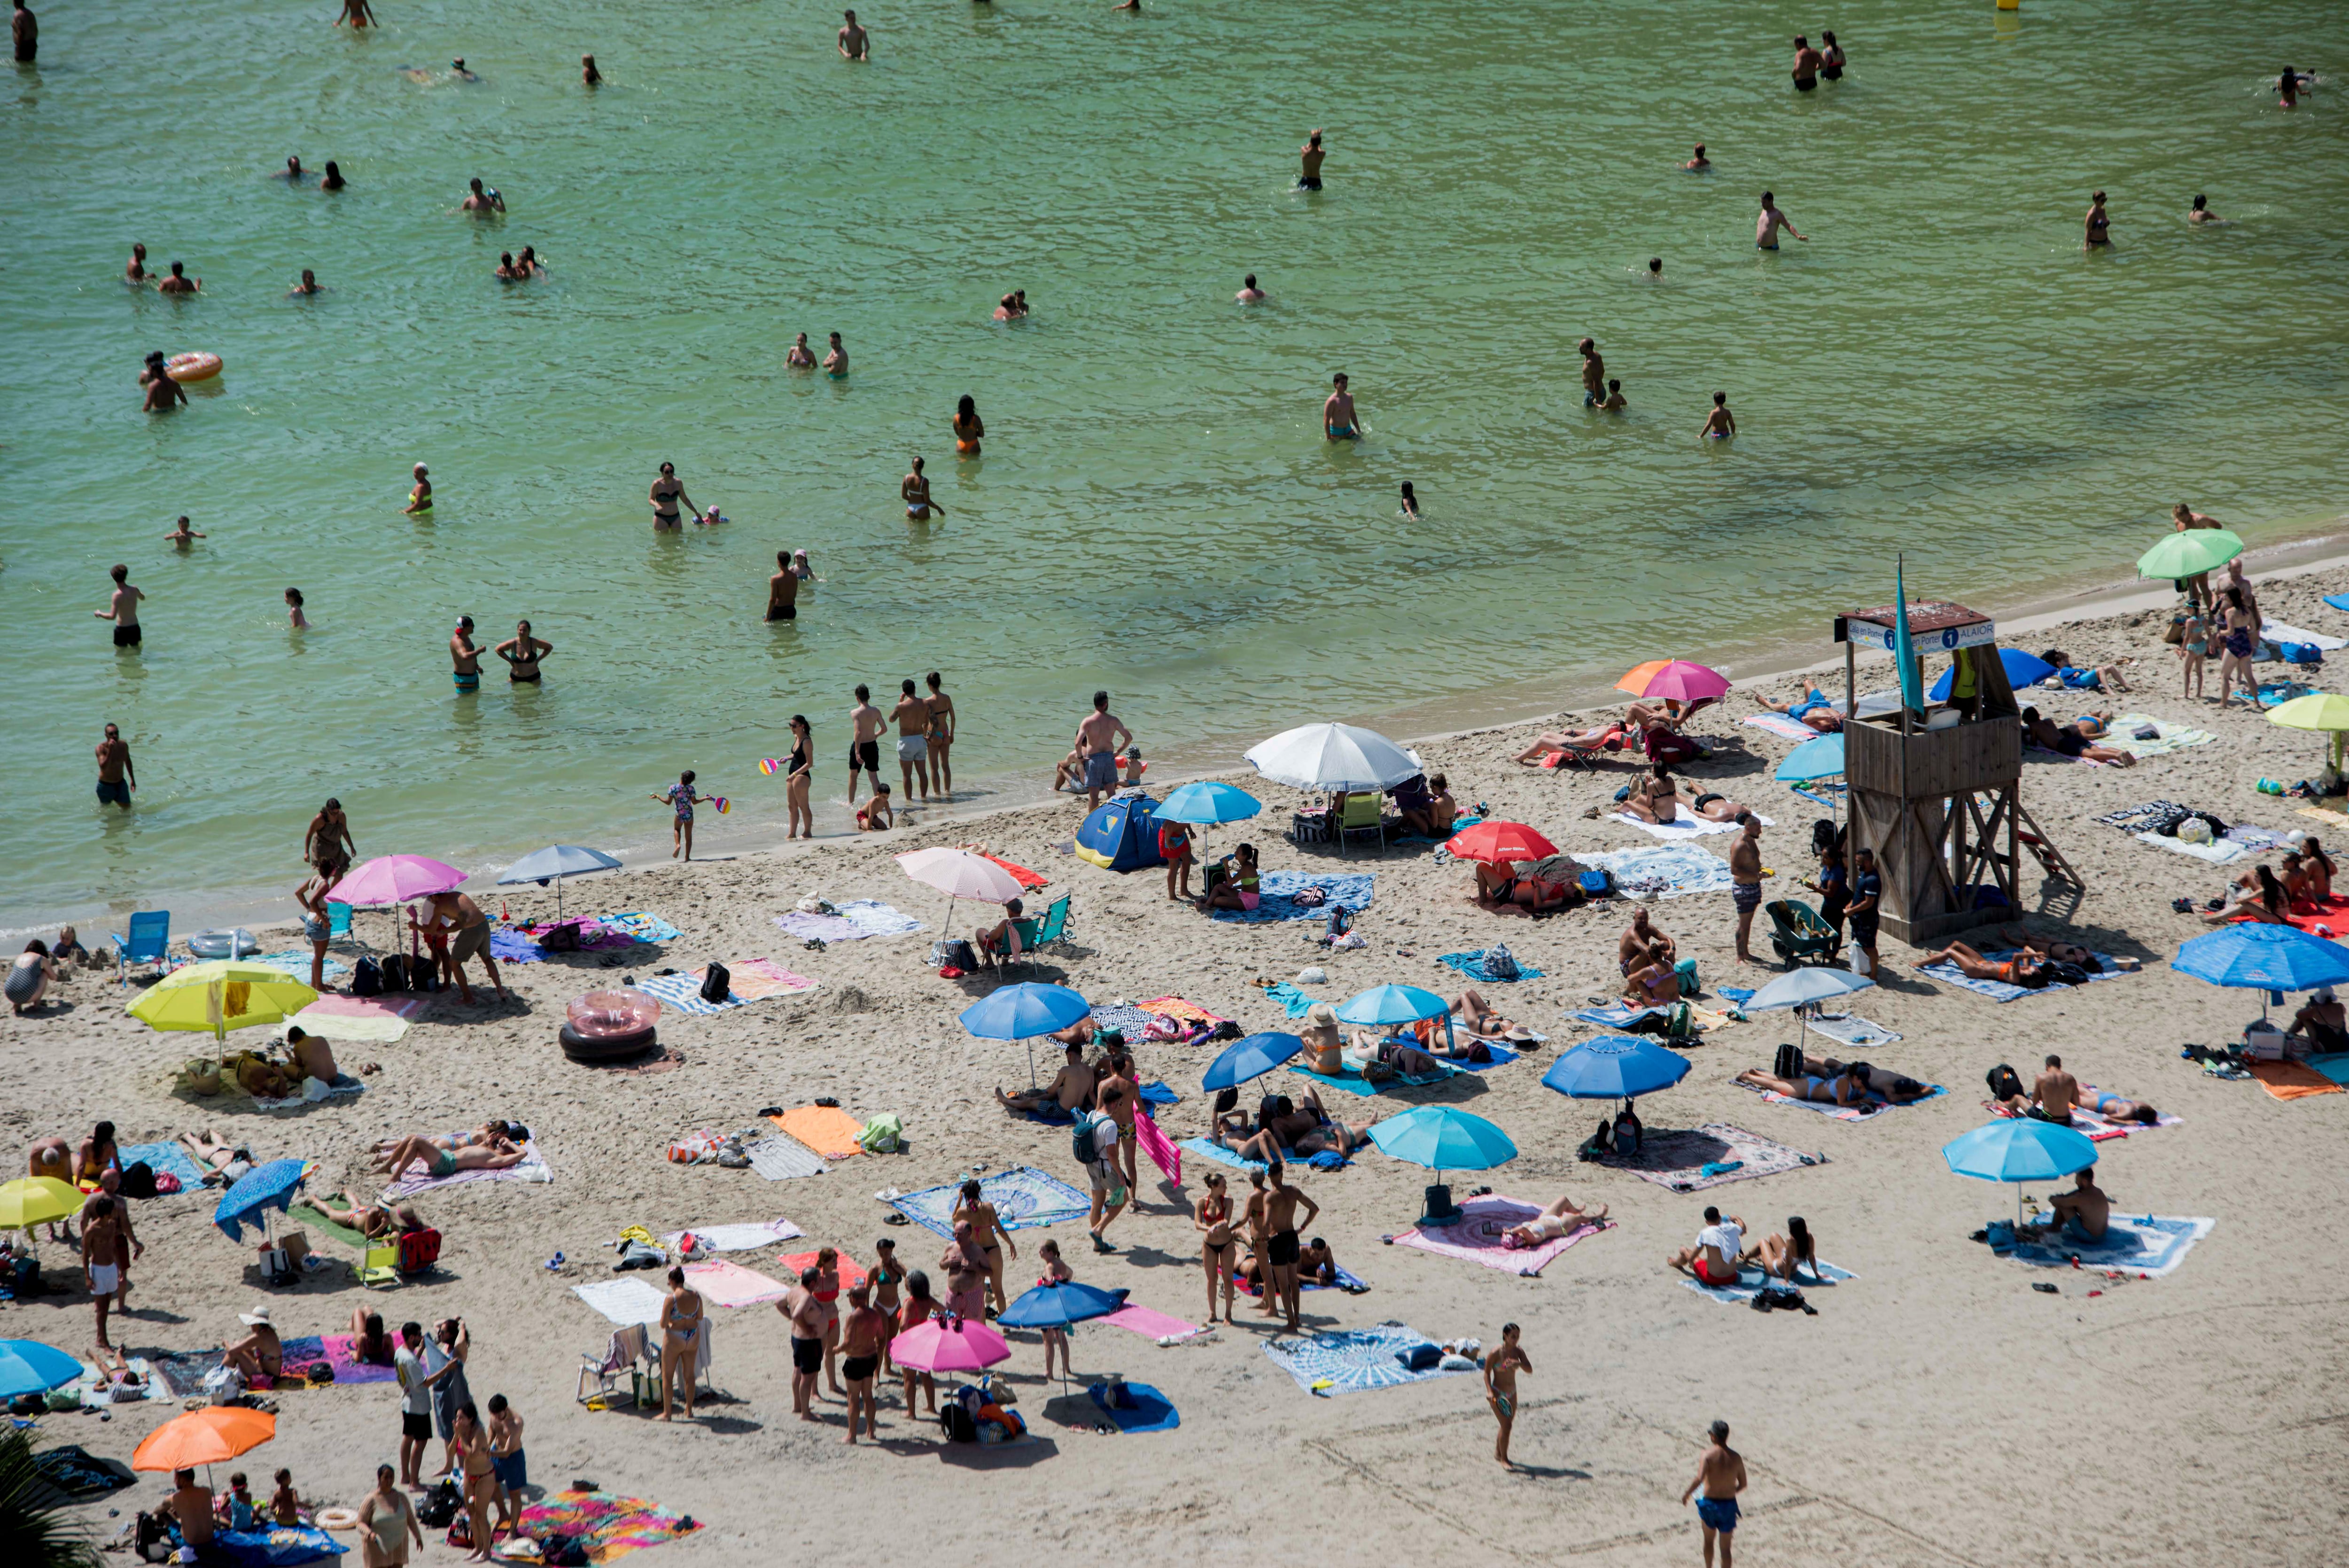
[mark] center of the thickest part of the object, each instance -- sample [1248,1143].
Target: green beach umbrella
[2318,710]
[2189,553]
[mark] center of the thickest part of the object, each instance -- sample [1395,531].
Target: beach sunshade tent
[265,1187]
[1121,835]
[1207,802]
[1813,760]
[2019,1150]
[2268,958]
[221,995]
[2317,710]
[1615,1066]
[555,863]
[210,1436]
[1250,1058]
[2189,553]
[30,1200]
[2021,670]
[1328,756]
[940,1344]
[1679,679]
[960,874]
[1798,989]
[1022,1012]
[1056,1305]
[29,1366]
[1497,842]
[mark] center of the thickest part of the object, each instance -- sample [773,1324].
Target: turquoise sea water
[1940,370]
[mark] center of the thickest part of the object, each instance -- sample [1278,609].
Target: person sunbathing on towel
[500,1154]
[1845,1088]
[369,1220]
[1815,710]
[2081,1215]
[1400,1052]
[1500,889]
[2119,1107]
[2069,741]
[228,1161]
[2062,952]
[1713,1259]
[1070,1089]
[1597,738]
[1307,1128]
[1882,1082]
[1655,984]
[2257,896]
[2323,1023]
[1484,1021]
[1781,1255]
[2024,969]
[1654,797]
[2053,1095]
[1553,1223]
[489,1131]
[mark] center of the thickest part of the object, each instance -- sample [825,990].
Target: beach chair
[379,1268]
[338,921]
[1798,934]
[1053,927]
[1365,813]
[1026,953]
[626,1348]
[149,942]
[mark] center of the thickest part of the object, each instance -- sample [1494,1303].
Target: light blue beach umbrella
[2018,1150]
[2264,958]
[1615,1066]
[1207,803]
[556,864]
[2021,670]
[1055,1303]
[1442,1138]
[1393,1004]
[29,1366]
[262,1188]
[1022,1012]
[1820,759]
[1251,1058]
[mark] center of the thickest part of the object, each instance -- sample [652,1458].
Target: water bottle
[2270,787]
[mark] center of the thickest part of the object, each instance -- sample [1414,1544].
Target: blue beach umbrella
[554,864]
[1393,1004]
[2264,958]
[1443,1138]
[29,1366]
[2021,670]
[263,1187]
[1061,1304]
[2022,1149]
[1022,1012]
[1615,1066]
[1207,802]
[1820,759]
[1251,1058]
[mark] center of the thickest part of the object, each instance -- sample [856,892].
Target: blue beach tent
[1122,836]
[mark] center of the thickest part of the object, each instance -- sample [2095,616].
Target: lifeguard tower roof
[1932,623]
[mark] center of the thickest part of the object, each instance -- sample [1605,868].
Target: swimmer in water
[1311,154]
[179,283]
[2201,213]
[357,13]
[916,489]
[1772,220]
[1831,57]
[1127,6]
[506,272]
[2099,225]
[1020,304]
[1410,501]
[1594,372]
[293,170]
[420,499]
[710,519]
[1006,308]
[1655,269]
[1613,402]
[180,535]
[135,271]
[2291,85]
[854,44]
[308,286]
[334,179]
[465,656]
[457,68]
[799,357]
[589,76]
[1337,421]
[528,264]
[293,610]
[481,201]
[1720,425]
[1807,62]
[1250,294]
[667,492]
[163,394]
[1700,163]
[968,427]
[835,359]
[522,653]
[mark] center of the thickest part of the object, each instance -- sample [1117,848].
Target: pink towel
[731,1284]
[1162,1154]
[1151,1325]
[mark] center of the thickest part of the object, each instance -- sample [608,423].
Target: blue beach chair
[151,936]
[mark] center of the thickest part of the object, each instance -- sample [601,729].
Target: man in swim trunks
[419,495]
[804,1313]
[941,734]
[2053,1095]
[465,656]
[1276,1233]
[916,490]
[1773,219]
[1713,1259]
[101,1239]
[1721,1473]
[853,43]
[913,720]
[115,777]
[481,201]
[1070,1088]
[783,590]
[1250,294]
[468,929]
[1721,424]
[1337,421]
[861,1335]
[122,606]
[1807,62]
[865,724]
[179,283]
[1097,737]
[522,653]
[2082,1215]
[1594,372]
[667,494]
[1815,711]
[835,359]
[1311,154]
[1745,880]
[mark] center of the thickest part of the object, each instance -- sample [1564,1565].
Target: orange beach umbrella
[210,1436]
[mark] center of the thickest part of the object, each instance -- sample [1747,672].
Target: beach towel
[630,1300]
[731,1284]
[181,1372]
[1024,1198]
[792,1264]
[1778,724]
[756,979]
[303,1213]
[1126,1018]
[2291,1080]
[1663,871]
[821,927]
[1277,897]
[1157,1094]
[606,1527]
[644,927]
[738,1238]
[2139,1243]
[1020,873]
[334,1350]
[97,1387]
[1152,1143]
[76,1473]
[2217,852]
[874,918]
[780,1159]
[2334,1067]
[1352,1082]
[1678,1159]
[2338,601]
[1476,1236]
[1751,1279]
[2098,1127]
[826,1129]
[274,1545]
[1876,1105]
[378,1020]
[1472,966]
[344,1086]
[1223,1156]
[1293,1002]
[295,961]
[1999,990]
[1153,1325]
[1852,1030]
[2327,917]
[2275,693]
[534,1167]
[1685,824]
[1352,1361]
[2173,737]
[2275,630]
[1175,1007]
[683,993]
[170,1158]
[1148,1410]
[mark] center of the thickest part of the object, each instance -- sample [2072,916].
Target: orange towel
[829,1130]
[1175,1007]
[2290,1080]
[851,1274]
[1020,873]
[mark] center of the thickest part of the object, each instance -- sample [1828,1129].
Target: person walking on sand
[911,716]
[416,1386]
[680,799]
[1098,738]
[866,723]
[1338,422]
[122,608]
[465,656]
[1721,1472]
[854,43]
[783,590]
[942,734]
[1501,1370]
[115,776]
[1773,219]
[1309,159]
[386,1518]
[1745,881]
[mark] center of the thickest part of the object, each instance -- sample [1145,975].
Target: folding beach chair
[379,1268]
[1365,813]
[1053,927]
[628,1347]
[149,942]
[338,921]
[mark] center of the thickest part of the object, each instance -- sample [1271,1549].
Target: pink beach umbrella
[392,880]
[1686,681]
[949,1345]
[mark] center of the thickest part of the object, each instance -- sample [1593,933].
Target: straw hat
[1321,1015]
[257,1318]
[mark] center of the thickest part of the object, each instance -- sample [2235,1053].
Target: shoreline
[1217,757]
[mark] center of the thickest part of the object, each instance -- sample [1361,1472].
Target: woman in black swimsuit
[2099,225]
[1831,58]
[522,653]
[1213,1219]
[798,779]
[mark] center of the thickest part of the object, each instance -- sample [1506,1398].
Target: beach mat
[334,1350]
[731,1284]
[1176,1008]
[1475,1236]
[738,1238]
[295,961]
[1751,1279]
[1277,897]
[852,1272]
[1352,1082]
[818,927]
[182,1371]
[1024,1198]
[1877,1103]
[873,918]
[1779,724]
[756,979]
[1153,1325]
[77,1473]
[1999,990]
[2137,1243]
[170,1158]
[2291,1080]
[628,1300]
[605,1525]
[1472,964]
[1854,1030]
[1685,824]
[780,1159]
[1663,871]
[2217,852]
[1677,1159]
[825,1128]
[1151,1411]
[2334,1067]
[534,1167]
[376,1020]
[1352,1361]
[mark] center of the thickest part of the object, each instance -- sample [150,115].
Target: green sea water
[1938,371]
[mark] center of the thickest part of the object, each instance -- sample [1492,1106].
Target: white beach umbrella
[959,874]
[1798,989]
[1332,756]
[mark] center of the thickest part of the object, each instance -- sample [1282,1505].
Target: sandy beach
[1937,1409]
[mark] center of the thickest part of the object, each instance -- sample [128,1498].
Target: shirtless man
[102,1237]
[1770,221]
[308,286]
[115,777]
[835,358]
[191,1507]
[122,606]
[667,493]
[852,42]
[1700,163]
[1338,418]
[465,656]
[1745,881]
[1098,738]
[1721,424]
[941,734]
[1594,372]
[1807,62]
[1501,1370]
[1278,1229]
[24,32]
[328,844]
[1642,943]
[861,1338]
[915,492]
[181,536]
[911,716]
[865,724]
[419,495]
[1250,294]
[783,590]
[179,283]
[1721,1473]
[163,394]
[481,201]
[2081,1215]
[1310,156]
[468,929]
[1071,1089]
[2052,1097]
[1613,403]
[804,1313]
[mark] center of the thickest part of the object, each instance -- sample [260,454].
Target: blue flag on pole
[1904,651]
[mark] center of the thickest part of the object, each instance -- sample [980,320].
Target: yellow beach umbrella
[30,1200]
[2318,710]
[222,995]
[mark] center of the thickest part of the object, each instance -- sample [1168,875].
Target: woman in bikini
[2257,896]
[472,1444]
[1236,889]
[372,1221]
[681,1326]
[887,1273]
[1212,1218]
[668,492]
[522,653]
[2318,865]
[1653,985]
[1655,798]
[827,1295]
[1598,736]
[1781,1255]
[916,489]
[370,1345]
[968,427]
[1845,1088]
[2024,969]
[1814,712]
[1056,1271]
[800,357]
[1560,1218]
[987,1230]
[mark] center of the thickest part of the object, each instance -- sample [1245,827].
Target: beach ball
[2194,831]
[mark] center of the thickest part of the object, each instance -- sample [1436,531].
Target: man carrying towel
[1722,1472]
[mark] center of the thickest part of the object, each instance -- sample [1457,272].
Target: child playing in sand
[873,817]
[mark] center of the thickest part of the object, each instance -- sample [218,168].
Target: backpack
[367,978]
[1627,1137]
[2064,971]
[1595,1146]
[138,1181]
[1080,1143]
[1500,963]
[440,1505]
[394,971]
[564,938]
[955,1421]
[882,1135]
[2004,1083]
[716,983]
[1823,834]
[1789,1062]
[418,1250]
[1341,920]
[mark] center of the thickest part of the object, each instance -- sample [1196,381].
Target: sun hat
[1322,1013]
[258,1316]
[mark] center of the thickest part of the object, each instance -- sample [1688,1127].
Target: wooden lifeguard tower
[1937,792]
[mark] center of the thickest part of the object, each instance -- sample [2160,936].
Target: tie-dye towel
[604,1525]
[1710,1155]
[1478,1236]
[1024,1198]
[1663,871]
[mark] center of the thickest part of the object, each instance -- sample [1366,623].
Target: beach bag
[1500,963]
[440,1505]
[954,955]
[138,1181]
[1789,1062]
[153,1541]
[716,983]
[367,978]
[2004,1083]
[2063,971]
[394,970]
[564,938]
[2176,633]
[881,1135]
[418,1250]
[1080,1140]
[1595,1146]
[1341,921]
[2300,653]
[1597,883]
[1627,1137]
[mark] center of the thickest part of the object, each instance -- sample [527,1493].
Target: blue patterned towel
[1472,966]
[1024,1198]
[1751,1279]
[1351,1360]
[2139,1243]
[1999,990]
[683,992]
[295,962]
[1151,1411]
[1277,897]
[1663,871]
[642,926]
